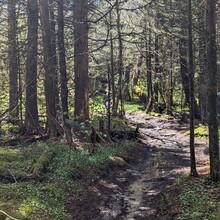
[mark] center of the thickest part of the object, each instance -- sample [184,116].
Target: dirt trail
[134,193]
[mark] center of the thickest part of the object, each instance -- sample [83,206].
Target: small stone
[121,180]
[143,208]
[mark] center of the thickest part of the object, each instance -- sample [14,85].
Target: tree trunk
[185,77]
[157,68]
[49,67]
[12,59]
[81,59]
[54,49]
[119,97]
[63,72]
[62,61]
[127,95]
[191,89]
[137,71]
[149,73]
[31,111]
[202,66]
[114,110]
[212,89]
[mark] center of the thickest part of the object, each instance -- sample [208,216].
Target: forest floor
[135,191]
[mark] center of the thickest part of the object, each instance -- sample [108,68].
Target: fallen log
[23,139]
[43,162]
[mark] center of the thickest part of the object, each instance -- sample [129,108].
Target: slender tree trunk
[157,68]
[202,65]
[191,89]
[81,59]
[114,110]
[127,95]
[49,67]
[184,68]
[212,89]
[185,77]
[54,49]
[149,73]
[31,111]
[13,59]
[169,83]
[137,71]
[62,60]
[120,63]
[63,72]
[109,99]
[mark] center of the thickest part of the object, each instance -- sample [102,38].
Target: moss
[42,163]
[117,161]
[154,114]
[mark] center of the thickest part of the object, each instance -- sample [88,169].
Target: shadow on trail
[134,192]
[158,167]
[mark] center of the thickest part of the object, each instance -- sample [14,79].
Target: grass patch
[134,106]
[66,174]
[200,131]
[154,114]
[192,199]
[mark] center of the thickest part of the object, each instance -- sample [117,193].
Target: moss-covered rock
[117,161]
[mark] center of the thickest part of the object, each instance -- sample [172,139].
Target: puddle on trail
[139,199]
[141,196]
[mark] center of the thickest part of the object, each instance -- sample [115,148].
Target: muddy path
[161,155]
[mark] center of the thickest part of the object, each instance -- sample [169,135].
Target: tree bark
[157,68]
[119,97]
[184,75]
[62,60]
[49,83]
[212,89]
[150,95]
[31,111]
[202,65]
[191,89]
[54,49]
[114,110]
[12,58]
[81,110]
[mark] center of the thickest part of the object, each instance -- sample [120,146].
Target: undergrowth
[134,106]
[200,131]
[66,173]
[198,201]
[192,198]
[46,199]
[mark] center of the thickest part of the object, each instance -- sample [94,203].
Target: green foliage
[97,106]
[14,129]
[133,106]
[86,166]
[155,114]
[200,131]
[29,200]
[197,201]
[47,199]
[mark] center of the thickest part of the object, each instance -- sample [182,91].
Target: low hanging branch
[4,213]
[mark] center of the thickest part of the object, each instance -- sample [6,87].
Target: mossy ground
[47,198]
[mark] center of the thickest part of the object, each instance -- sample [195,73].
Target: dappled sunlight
[6,153]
